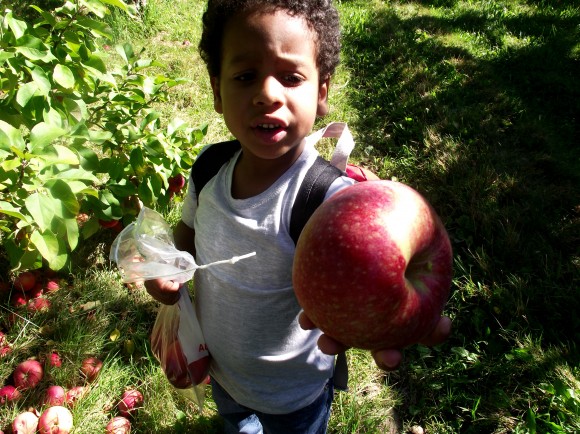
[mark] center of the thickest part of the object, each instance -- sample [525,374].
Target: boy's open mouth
[267,127]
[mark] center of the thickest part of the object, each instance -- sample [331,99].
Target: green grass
[475,104]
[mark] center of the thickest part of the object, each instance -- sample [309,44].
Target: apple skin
[25,423]
[74,394]
[118,425]
[90,368]
[55,420]
[28,374]
[9,394]
[373,266]
[130,402]
[54,395]
[25,281]
[176,183]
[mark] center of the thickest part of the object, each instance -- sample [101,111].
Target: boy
[270,64]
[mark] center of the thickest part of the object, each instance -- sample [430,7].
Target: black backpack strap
[311,194]
[209,162]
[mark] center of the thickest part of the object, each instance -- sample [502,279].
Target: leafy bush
[80,142]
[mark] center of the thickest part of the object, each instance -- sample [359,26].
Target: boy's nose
[269,92]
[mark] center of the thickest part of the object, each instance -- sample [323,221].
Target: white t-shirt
[247,311]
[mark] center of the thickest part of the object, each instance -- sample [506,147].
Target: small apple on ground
[54,395]
[54,360]
[90,368]
[25,423]
[9,394]
[130,402]
[373,266]
[52,285]
[118,425]
[109,224]
[39,304]
[25,281]
[18,298]
[74,394]
[28,374]
[55,420]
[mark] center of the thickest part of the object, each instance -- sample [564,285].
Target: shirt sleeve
[339,184]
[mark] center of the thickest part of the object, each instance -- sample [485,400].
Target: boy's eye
[245,76]
[293,79]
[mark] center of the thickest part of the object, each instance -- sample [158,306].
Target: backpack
[310,195]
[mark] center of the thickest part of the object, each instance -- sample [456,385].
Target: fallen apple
[18,298]
[55,420]
[52,285]
[54,395]
[25,281]
[8,394]
[38,304]
[25,423]
[27,374]
[54,360]
[74,394]
[373,266]
[90,368]
[118,425]
[130,402]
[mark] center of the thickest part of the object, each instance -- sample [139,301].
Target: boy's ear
[323,97]
[217,99]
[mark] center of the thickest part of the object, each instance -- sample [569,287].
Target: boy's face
[269,90]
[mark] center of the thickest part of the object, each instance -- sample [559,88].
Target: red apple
[118,425]
[52,285]
[54,395]
[176,183]
[109,224]
[25,423]
[373,266]
[90,368]
[4,287]
[55,420]
[18,298]
[74,394]
[54,360]
[175,366]
[28,374]
[130,402]
[39,304]
[25,281]
[9,394]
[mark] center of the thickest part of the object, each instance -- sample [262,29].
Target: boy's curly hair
[320,15]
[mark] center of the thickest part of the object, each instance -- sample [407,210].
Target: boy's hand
[387,359]
[164,291]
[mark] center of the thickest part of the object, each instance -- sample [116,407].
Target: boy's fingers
[164,291]
[329,346]
[440,334]
[305,322]
[388,360]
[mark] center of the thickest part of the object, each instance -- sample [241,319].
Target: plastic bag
[145,250]
[178,343]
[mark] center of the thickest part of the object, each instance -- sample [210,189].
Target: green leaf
[50,248]
[8,209]
[72,232]
[117,3]
[11,137]
[49,18]
[90,228]
[18,27]
[25,93]
[63,76]
[40,208]
[40,78]
[43,134]
[61,192]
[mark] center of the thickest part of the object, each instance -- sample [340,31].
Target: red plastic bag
[178,343]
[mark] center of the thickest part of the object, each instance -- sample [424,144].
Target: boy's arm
[167,291]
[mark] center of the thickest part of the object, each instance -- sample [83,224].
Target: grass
[476,105]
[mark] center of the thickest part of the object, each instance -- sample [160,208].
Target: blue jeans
[312,419]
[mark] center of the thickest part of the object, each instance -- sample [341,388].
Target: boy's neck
[253,175]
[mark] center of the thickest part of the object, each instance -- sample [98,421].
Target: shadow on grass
[481,112]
